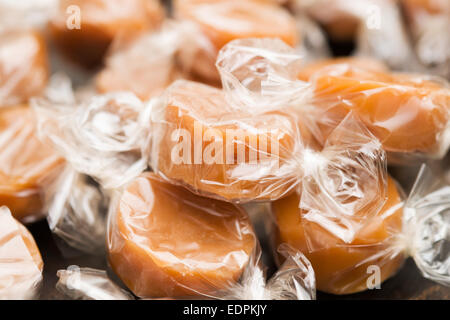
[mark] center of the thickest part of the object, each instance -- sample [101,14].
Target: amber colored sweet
[26,164]
[407,113]
[224,21]
[254,152]
[101,21]
[359,62]
[142,67]
[343,268]
[21,264]
[23,66]
[165,241]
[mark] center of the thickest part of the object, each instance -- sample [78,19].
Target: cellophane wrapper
[426,226]
[27,166]
[100,136]
[216,24]
[77,211]
[217,256]
[407,112]
[20,260]
[130,67]
[89,284]
[415,227]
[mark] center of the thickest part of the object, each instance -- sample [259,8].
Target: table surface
[407,284]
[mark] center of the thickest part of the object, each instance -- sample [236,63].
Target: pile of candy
[163,136]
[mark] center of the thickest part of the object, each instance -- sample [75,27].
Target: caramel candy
[342,268]
[407,113]
[26,164]
[365,63]
[166,242]
[143,67]
[23,66]
[20,260]
[224,21]
[203,143]
[100,22]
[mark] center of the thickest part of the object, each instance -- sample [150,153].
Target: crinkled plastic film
[408,113]
[89,284]
[102,136]
[426,225]
[20,260]
[417,228]
[216,256]
[130,67]
[27,166]
[77,212]
[343,184]
[264,173]
[24,67]
[220,22]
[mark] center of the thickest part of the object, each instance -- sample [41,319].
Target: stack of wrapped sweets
[196,127]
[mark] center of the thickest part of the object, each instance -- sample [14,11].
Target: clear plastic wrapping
[220,22]
[417,228]
[146,66]
[408,113]
[20,260]
[27,166]
[426,225]
[89,284]
[100,136]
[77,211]
[24,67]
[216,256]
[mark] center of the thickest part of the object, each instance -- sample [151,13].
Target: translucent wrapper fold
[426,224]
[101,136]
[20,260]
[417,227]
[77,212]
[89,284]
